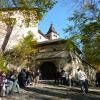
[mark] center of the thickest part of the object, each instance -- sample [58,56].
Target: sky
[58,16]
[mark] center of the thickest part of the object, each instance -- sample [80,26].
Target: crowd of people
[80,79]
[65,78]
[14,80]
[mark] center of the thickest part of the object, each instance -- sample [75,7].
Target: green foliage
[28,8]
[70,46]
[85,31]
[25,47]
[24,52]
[91,41]
[3,66]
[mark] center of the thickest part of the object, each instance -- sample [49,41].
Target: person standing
[3,91]
[63,78]
[57,77]
[1,81]
[98,79]
[37,77]
[15,87]
[82,77]
[22,78]
[70,80]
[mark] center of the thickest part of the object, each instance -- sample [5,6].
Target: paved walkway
[50,92]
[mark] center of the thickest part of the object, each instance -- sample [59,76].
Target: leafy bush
[3,66]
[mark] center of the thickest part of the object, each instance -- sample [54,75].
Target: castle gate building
[53,56]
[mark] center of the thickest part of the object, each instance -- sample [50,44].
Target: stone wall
[56,53]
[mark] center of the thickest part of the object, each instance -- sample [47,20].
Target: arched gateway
[48,70]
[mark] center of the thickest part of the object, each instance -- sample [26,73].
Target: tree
[28,8]
[91,41]
[24,52]
[85,30]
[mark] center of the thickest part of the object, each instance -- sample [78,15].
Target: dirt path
[49,92]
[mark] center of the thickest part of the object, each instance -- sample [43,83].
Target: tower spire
[51,29]
[52,34]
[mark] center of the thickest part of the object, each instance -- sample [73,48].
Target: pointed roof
[51,29]
[40,32]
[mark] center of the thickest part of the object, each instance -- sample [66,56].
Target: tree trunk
[6,39]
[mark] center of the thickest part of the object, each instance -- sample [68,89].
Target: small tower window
[55,35]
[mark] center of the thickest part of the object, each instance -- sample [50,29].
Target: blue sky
[58,16]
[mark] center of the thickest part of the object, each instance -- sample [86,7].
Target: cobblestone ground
[50,92]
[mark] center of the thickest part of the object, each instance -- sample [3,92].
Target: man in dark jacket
[22,78]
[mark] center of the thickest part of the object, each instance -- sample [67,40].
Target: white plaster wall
[54,36]
[20,30]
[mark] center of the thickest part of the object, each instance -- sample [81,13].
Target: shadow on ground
[61,94]
[74,90]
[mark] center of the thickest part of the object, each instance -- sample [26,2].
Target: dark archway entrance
[48,71]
